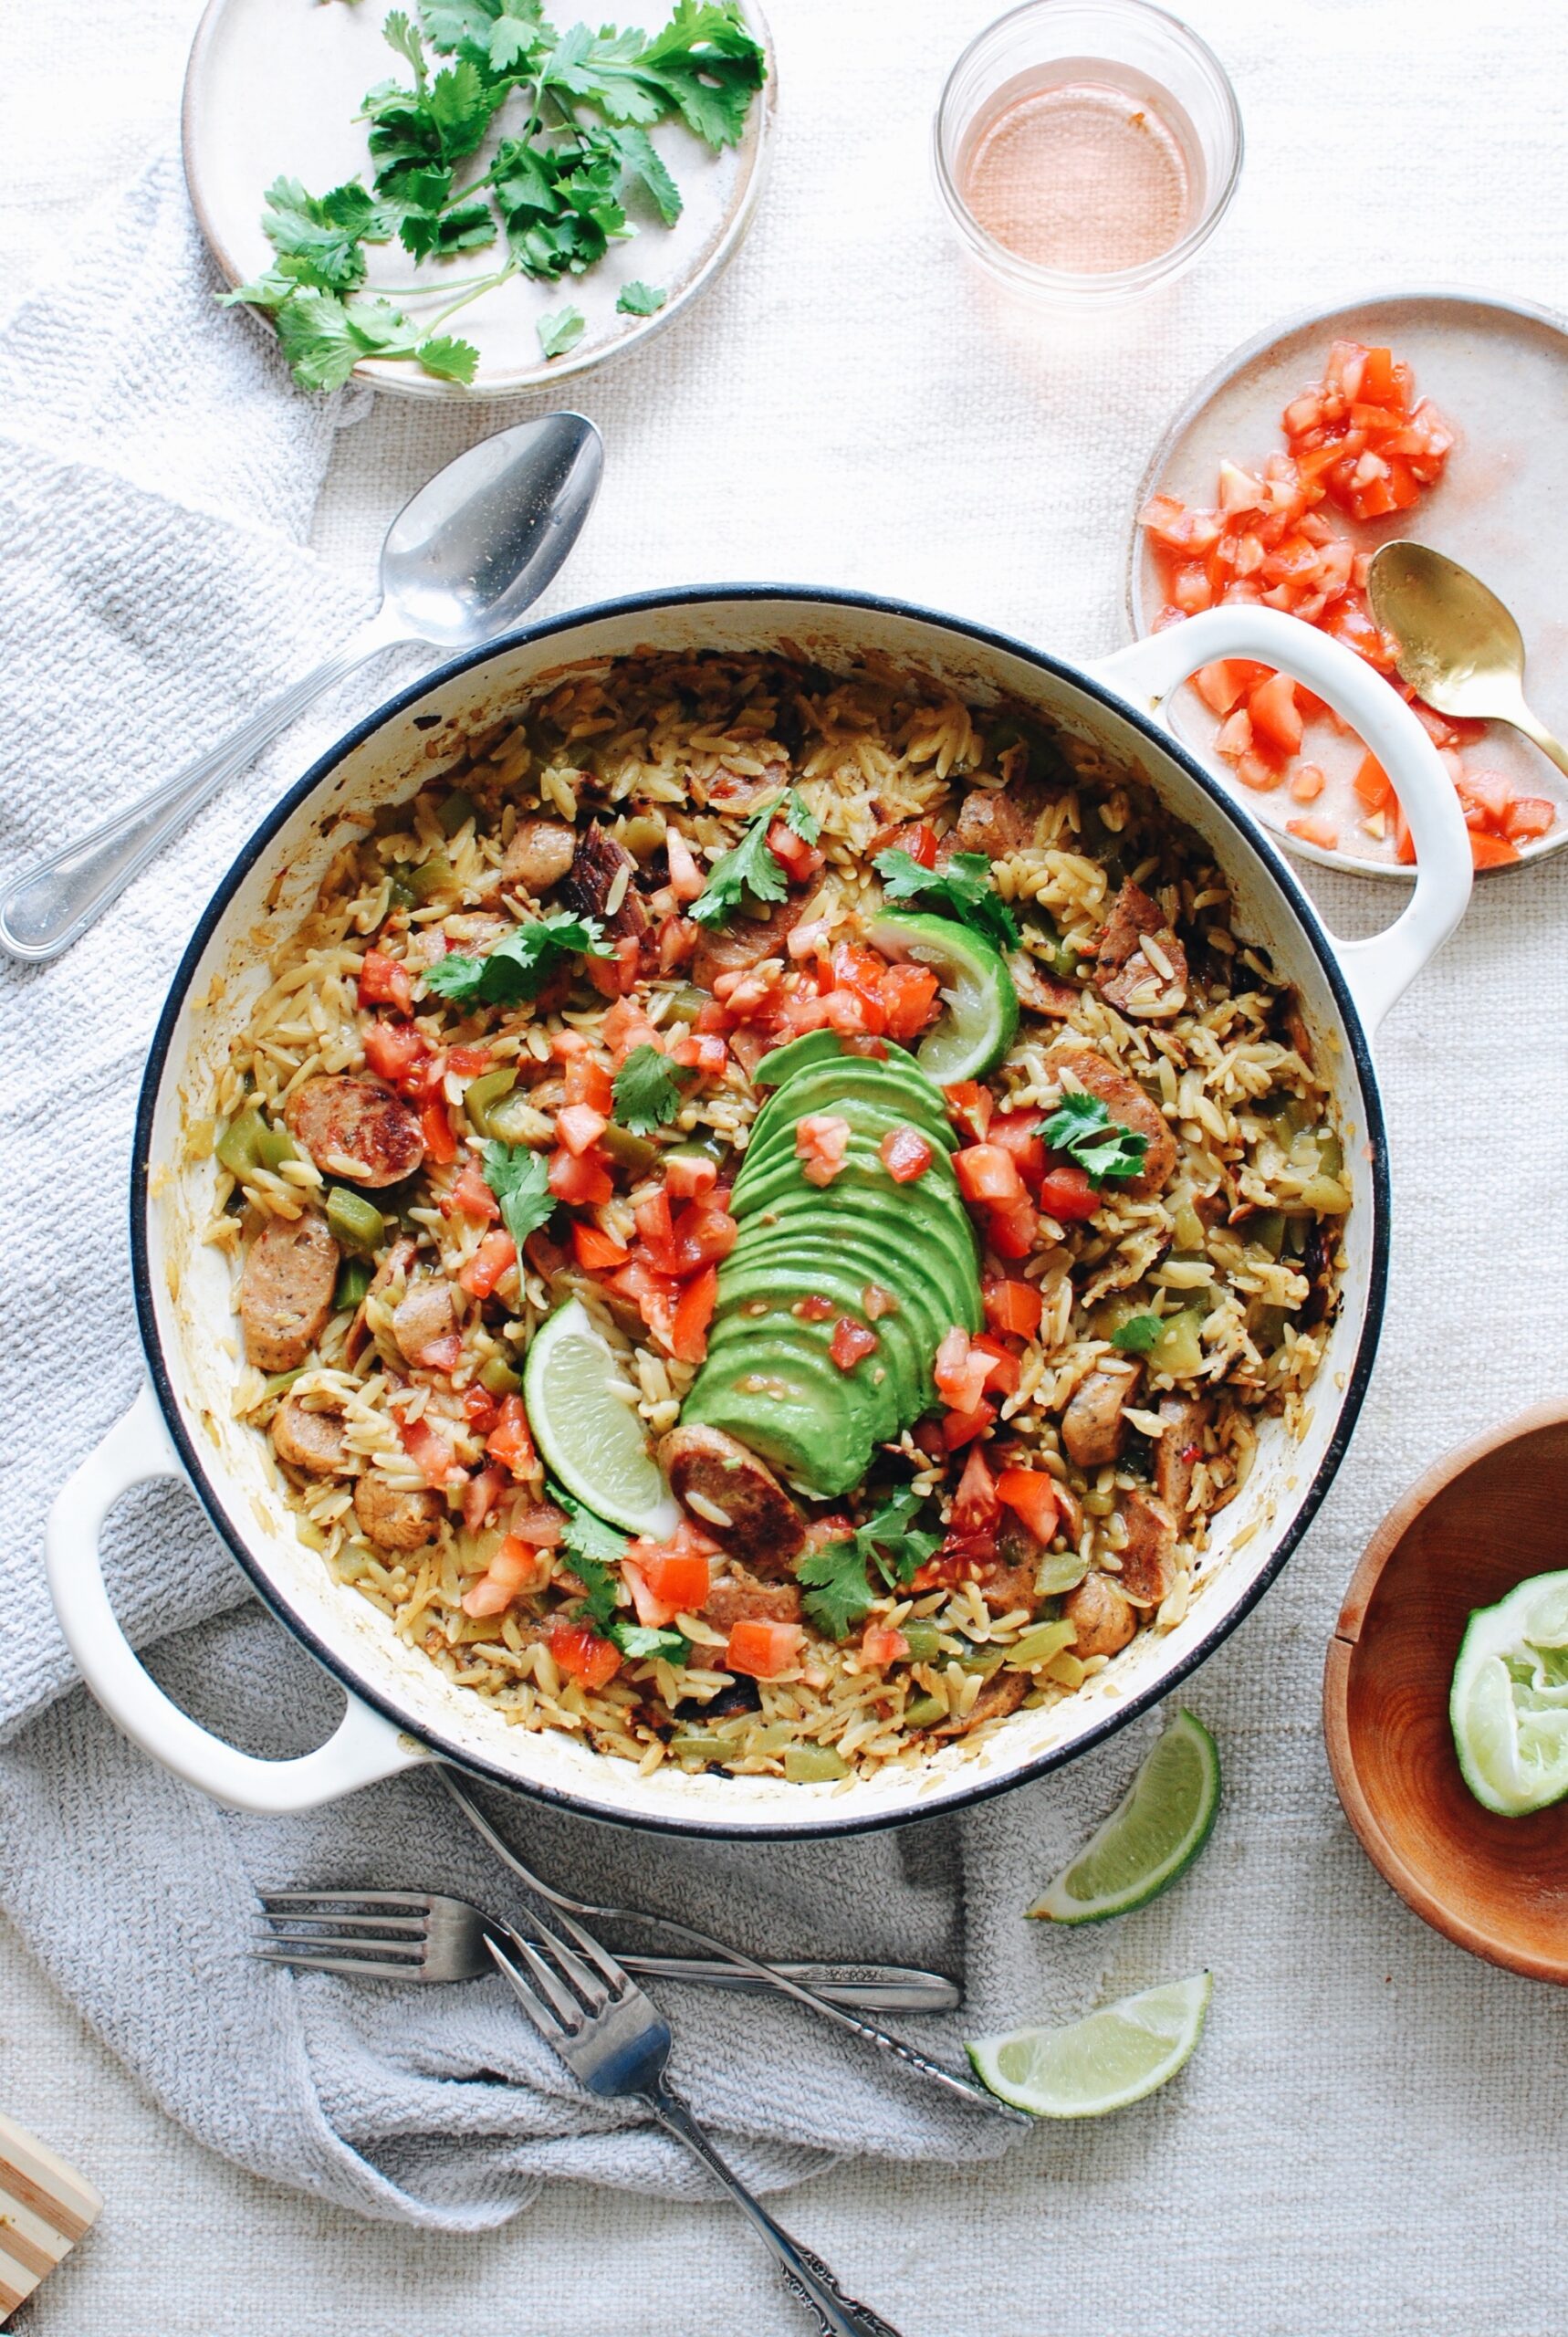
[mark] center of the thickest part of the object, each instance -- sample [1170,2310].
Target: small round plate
[1498,373]
[272,89]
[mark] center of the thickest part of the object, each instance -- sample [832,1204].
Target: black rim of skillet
[983,1787]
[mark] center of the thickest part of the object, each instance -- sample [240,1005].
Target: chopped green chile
[433,876]
[1187,1226]
[641,835]
[1180,1349]
[628,1151]
[813,1765]
[251,1142]
[458,808]
[389,819]
[1059,1572]
[354,1222]
[1267,1230]
[924,1712]
[688,1002]
[924,1640]
[698,1747]
[354,1278]
[974,1656]
[280,1383]
[497,1378]
[1039,1645]
[481,1095]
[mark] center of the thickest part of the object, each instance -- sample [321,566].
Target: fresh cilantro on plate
[1107,1152]
[751,867]
[1137,1335]
[520,1180]
[962,890]
[552,199]
[647,1091]
[837,1575]
[520,965]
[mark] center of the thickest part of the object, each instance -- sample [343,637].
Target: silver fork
[424,1935]
[771,1975]
[597,2018]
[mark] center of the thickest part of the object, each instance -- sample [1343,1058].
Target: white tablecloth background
[1367,2139]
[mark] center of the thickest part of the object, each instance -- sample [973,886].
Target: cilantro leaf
[841,1589]
[647,1091]
[319,339]
[708,65]
[602,68]
[641,162]
[520,965]
[586,1536]
[321,233]
[520,1182]
[751,867]
[562,331]
[399,34]
[594,1549]
[838,1593]
[640,1640]
[448,359]
[1137,1335]
[640,300]
[500,36]
[962,890]
[1106,1151]
[464,227]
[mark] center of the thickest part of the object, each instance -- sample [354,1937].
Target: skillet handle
[1381,968]
[362,1749]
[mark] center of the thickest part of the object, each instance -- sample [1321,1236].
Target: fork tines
[336,1920]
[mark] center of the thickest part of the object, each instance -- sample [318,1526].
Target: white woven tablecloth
[1365,2140]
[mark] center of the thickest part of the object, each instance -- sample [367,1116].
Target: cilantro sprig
[751,867]
[837,1575]
[962,890]
[595,1550]
[1107,1152]
[552,200]
[520,1182]
[647,1091]
[520,965]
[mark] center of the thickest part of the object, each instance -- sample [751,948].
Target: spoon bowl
[1459,646]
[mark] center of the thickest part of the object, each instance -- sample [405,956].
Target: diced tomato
[392,1049]
[1404,842]
[694,1313]
[495,1257]
[514,1568]
[614,976]
[905,1155]
[626,1026]
[480,1495]
[588,1084]
[1006,1370]
[540,1523]
[1529,816]
[881,1645]
[441,1354]
[384,982]
[1491,851]
[821,1141]
[852,1343]
[686,880]
[704,1234]
[1276,720]
[689,1175]
[1030,1494]
[468,1062]
[975,1503]
[654,1220]
[435,1128]
[1314,830]
[1013,1230]
[1013,1309]
[1308,783]
[480,1408]
[655,1296]
[595,1251]
[1066,1193]
[878,1302]
[510,1441]
[1018,1135]
[797,858]
[988,1173]
[960,1371]
[703,1050]
[581,1654]
[920,843]
[909,997]
[676,1573]
[429,1451]
[761,1650]
[971,1105]
[959,1428]
[1234,737]
[580,1179]
[578,1126]
[471,1196]
[1373,788]
[812,1309]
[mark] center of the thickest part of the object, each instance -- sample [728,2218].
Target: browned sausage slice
[735,948]
[1179,1451]
[313,1441]
[1148,1568]
[591,885]
[393,1519]
[356,1130]
[1008,1581]
[992,821]
[1092,1424]
[540,853]
[734,1495]
[1042,993]
[285,1291]
[1142,967]
[1101,1617]
[741,1599]
[425,1316]
[1003,1693]
[1126,1101]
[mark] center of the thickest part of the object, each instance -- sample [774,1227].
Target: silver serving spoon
[1459,646]
[461,562]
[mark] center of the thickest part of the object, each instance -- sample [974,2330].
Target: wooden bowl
[1481,1520]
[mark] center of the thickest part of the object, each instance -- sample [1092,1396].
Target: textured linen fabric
[153,518]
[1362,2140]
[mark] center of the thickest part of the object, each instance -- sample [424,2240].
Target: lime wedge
[1111,2057]
[1509,1703]
[585,1426]
[980,1015]
[1149,1838]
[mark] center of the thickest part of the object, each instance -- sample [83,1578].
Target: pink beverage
[1082,167]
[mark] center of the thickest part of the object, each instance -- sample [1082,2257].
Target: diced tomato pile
[1361,444]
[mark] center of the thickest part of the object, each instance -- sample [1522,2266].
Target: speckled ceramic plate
[272,88]
[1499,374]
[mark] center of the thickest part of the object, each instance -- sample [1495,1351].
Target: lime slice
[1150,1838]
[1509,1703]
[1111,2057]
[587,1429]
[982,1015]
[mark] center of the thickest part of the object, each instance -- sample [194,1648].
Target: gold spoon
[1459,648]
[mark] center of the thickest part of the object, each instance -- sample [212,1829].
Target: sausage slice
[540,853]
[733,1494]
[285,1291]
[590,883]
[994,821]
[1100,1615]
[425,1316]
[313,1441]
[1148,1559]
[1003,1693]
[1149,983]
[740,1598]
[1126,1101]
[356,1130]
[735,948]
[393,1519]
[1091,1423]
[1179,1450]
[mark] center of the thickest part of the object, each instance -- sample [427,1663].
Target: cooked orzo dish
[767,1210]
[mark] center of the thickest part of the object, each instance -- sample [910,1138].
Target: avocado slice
[835,1087]
[928,1290]
[871,1122]
[818,1424]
